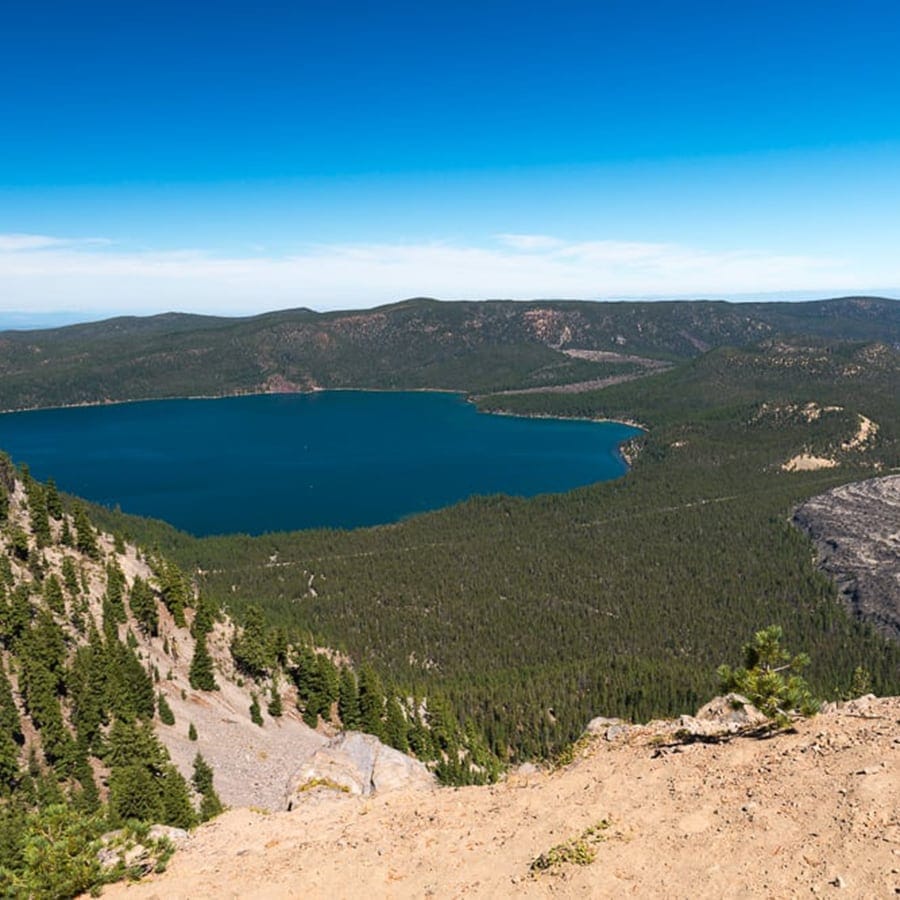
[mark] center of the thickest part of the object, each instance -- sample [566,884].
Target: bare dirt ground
[815,812]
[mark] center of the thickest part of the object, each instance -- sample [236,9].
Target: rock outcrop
[721,717]
[856,529]
[358,764]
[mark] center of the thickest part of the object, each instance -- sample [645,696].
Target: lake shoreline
[469,398]
[433,444]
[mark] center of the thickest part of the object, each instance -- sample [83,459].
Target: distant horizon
[23,320]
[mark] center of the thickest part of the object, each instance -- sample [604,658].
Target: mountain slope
[469,346]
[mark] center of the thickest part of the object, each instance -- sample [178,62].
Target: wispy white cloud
[530,242]
[42,273]
[19,243]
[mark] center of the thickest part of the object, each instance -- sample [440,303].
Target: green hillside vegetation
[531,616]
[466,346]
[78,752]
[82,767]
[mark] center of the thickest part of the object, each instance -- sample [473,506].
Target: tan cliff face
[802,813]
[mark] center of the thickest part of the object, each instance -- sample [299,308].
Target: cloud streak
[45,273]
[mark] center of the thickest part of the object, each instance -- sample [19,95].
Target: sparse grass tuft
[314,783]
[579,851]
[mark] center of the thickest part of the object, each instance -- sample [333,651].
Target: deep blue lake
[282,462]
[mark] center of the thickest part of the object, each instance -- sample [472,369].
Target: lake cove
[288,461]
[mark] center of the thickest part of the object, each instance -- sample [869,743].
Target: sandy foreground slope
[812,812]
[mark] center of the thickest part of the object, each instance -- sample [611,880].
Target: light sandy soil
[866,431]
[806,462]
[812,812]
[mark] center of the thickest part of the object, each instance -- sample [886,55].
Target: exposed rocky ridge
[806,812]
[252,764]
[856,529]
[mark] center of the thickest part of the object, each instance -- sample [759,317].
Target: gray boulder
[360,764]
[723,715]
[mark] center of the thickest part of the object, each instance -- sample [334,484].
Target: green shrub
[769,678]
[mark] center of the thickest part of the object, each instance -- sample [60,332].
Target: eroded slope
[856,529]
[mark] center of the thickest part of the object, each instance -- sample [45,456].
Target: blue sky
[234,157]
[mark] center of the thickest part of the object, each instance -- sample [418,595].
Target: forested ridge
[621,598]
[467,346]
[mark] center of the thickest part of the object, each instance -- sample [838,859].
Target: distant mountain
[419,343]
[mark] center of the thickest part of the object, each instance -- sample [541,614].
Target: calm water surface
[278,462]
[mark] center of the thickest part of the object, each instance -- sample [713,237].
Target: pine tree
[177,810]
[134,794]
[85,537]
[348,701]
[70,577]
[18,543]
[166,716]
[54,504]
[88,690]
[192,732]
[419,738]
[770,678]
[143,783]
[6,573]
[10,735]
[174,588]
[395,726]
[53,595]
[275,708]
[255,711]
[201,674]
[250,647]
[210,804]
[37,509]
[10,723]
[65,536]
[130,688]
[371,701]
[115,590]
[143,607]
[204,617]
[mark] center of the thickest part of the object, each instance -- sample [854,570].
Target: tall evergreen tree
[85,536]
[143,607]
[37,510]
[395,726]
[174,587]
[210,804]
[201,673]
[70,577]
[53,595]
[166,716]
[250,647]
[204,617]
[18,543]
[54,503]
[371,701]
[348,700]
